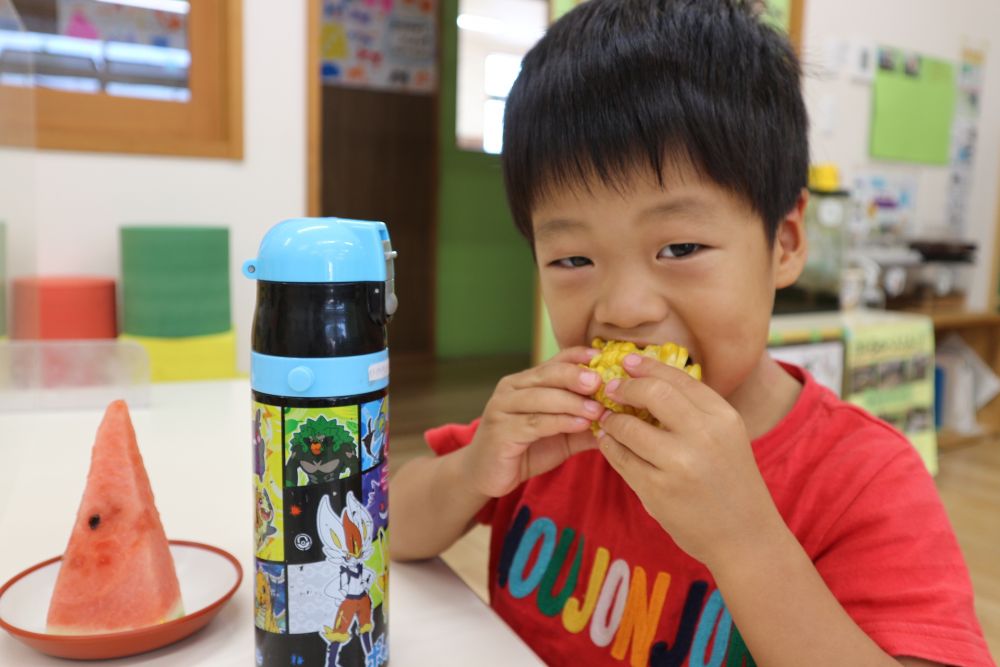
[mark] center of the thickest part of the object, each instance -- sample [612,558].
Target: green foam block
[175,281]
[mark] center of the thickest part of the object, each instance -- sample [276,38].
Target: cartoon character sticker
[321,444]
[375,492]
[264,521]
[341,600]
[374,432]
[302,543]
[270,602]
[268,473]
[375,484]
[348,544]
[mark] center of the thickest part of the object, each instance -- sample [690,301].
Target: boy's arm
[534,421]
[431,505]
[785,611]
[698,478]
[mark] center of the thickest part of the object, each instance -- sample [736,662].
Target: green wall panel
[485,270]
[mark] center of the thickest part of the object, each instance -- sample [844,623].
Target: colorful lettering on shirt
[610,604]
[642,616]
[739,654]
[511,542]
[575,615]
[713,615]
[620,609]
[550,603]
[541,530]
[664,655]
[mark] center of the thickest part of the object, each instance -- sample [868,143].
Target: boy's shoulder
[840,476]
[824,434]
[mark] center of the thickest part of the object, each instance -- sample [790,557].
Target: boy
[655,156]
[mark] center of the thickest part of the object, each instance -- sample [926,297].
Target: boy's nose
[629,304]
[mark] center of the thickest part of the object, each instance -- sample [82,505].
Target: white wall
[81,199]
[934,28]
[17,212]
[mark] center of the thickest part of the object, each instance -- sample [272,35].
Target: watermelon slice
[117,573]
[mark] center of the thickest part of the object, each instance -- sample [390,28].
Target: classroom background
[146,147]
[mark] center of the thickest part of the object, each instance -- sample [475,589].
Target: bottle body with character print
[320,435]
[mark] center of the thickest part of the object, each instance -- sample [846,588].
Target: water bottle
[320,427]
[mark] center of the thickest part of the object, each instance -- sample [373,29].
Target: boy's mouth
[643,344]
[609,366]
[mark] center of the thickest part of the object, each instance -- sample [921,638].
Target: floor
[426,394]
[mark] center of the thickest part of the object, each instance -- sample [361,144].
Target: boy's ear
[790,244]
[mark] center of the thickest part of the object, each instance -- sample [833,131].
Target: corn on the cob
[608,364]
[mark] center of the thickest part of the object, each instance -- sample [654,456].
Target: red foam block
[63,308]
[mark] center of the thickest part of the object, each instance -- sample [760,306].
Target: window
[135,76]
[493,36]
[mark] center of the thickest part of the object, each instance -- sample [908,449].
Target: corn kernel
[608,364]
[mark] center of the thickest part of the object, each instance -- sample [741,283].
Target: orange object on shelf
[63,308]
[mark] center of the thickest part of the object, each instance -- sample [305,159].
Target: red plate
[208,578]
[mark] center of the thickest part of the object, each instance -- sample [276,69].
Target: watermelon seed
[94,522]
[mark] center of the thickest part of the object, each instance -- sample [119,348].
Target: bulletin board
[380,44]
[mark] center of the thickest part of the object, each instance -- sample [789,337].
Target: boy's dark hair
[617,85]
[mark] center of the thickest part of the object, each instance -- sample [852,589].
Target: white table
[195,441]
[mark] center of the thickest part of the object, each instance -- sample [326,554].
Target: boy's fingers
[550,401]
[556,374]
[576,355]
[664,400]
[535,426]
[627,463]
[699,393]
[643,439]
[581,442]
[547,453]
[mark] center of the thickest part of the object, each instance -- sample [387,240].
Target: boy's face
[687,262]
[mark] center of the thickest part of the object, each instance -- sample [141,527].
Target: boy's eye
[574,262]
[677,250]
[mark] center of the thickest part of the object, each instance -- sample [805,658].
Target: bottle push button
[300,378]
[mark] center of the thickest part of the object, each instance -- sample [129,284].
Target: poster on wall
[885,205]
[380,44]
[890,373]
[102,21]
[963,141]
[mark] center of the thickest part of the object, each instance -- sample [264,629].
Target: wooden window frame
[314,110]
[209,125]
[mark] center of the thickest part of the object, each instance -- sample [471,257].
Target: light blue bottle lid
[321,250]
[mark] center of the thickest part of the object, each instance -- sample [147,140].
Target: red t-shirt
[585,576]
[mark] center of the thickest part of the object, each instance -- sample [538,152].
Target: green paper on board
[779,14]
[912,108]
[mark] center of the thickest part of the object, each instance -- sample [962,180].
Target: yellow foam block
[209,357]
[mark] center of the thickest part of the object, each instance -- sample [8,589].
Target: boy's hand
[534,421]
[696,474]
